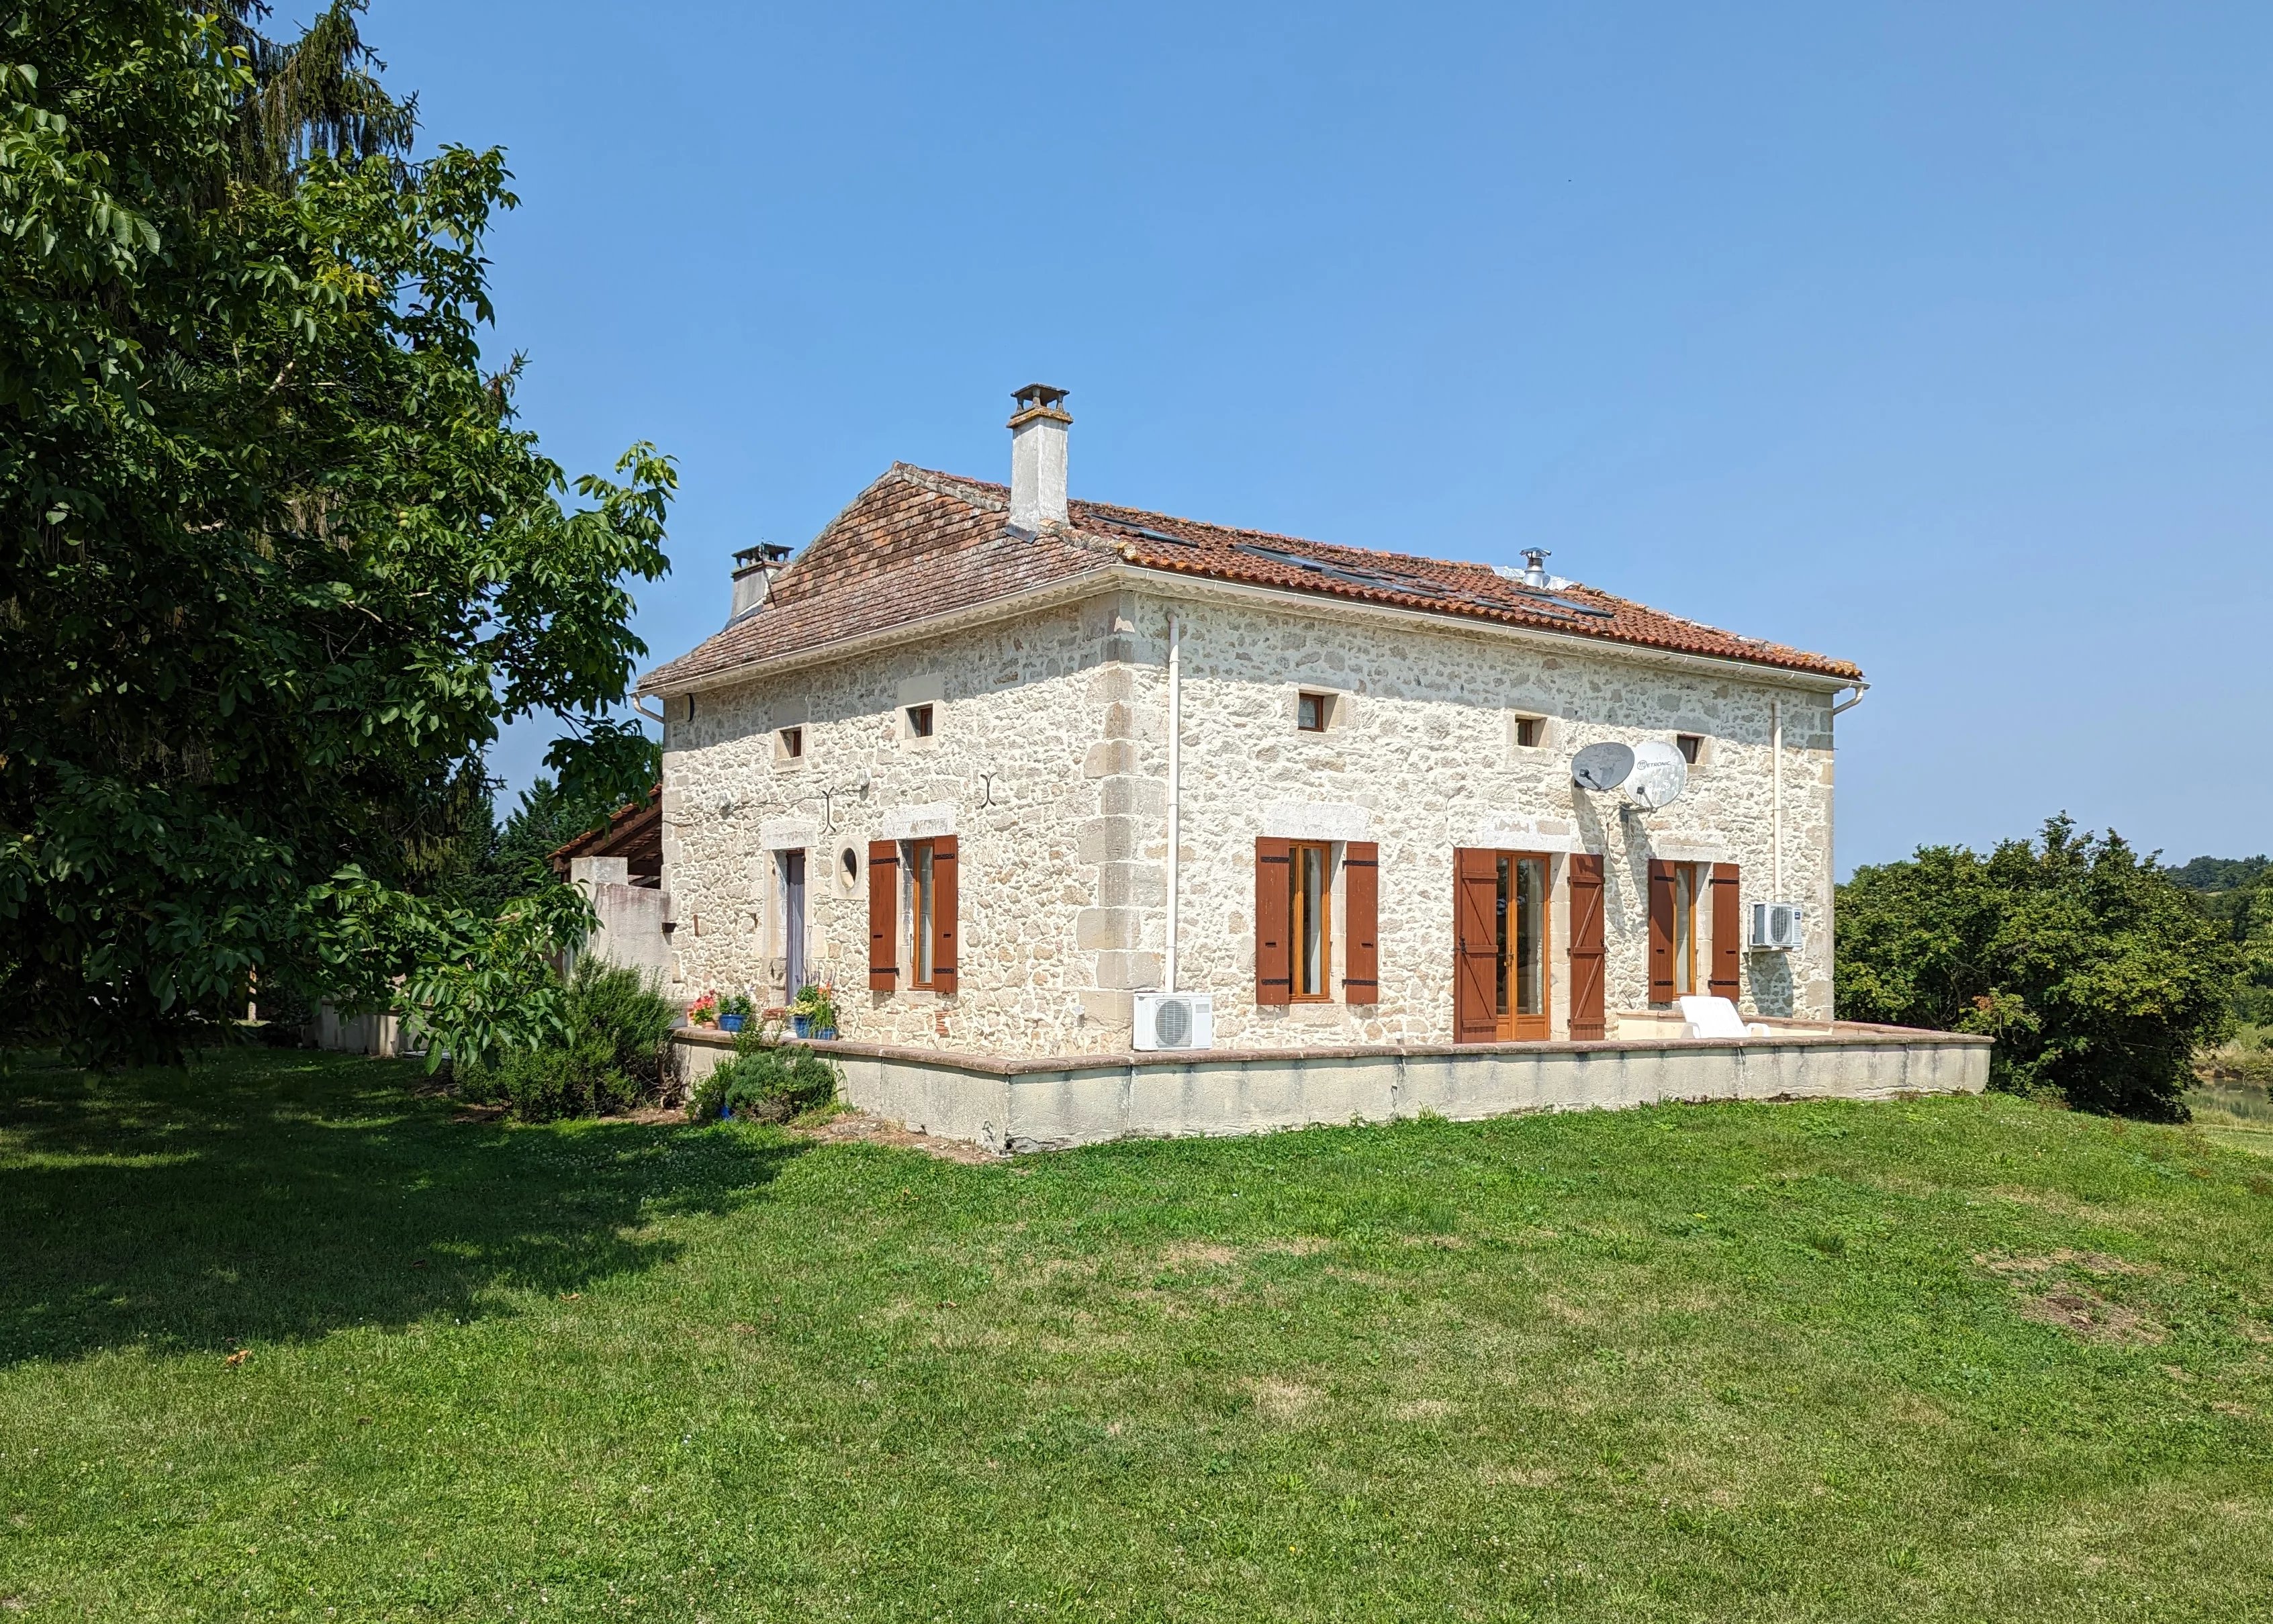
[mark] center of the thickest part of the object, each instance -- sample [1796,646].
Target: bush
[770,1082]
[2097,975]
[617,1054]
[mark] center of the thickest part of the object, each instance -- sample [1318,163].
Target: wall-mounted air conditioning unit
[1175,1021]
[1778,927]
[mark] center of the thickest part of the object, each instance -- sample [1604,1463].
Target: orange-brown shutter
[883,915]
[1475,958]
[1274,964]
[1361,919]
[1661,931]
[1723,980]
[1587,1018]
[944,911]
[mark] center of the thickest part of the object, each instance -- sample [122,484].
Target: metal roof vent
[1534,573]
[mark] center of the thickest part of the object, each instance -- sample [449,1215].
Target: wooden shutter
[1274,964]
[1661,931]
[1361,921]
[1586,881]
[1475,967]
[1722,981]
[883,915]
[944,907]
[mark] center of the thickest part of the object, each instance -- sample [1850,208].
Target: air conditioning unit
[1175,1021]
[1778,927]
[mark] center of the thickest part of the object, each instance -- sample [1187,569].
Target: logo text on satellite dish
[1659,776]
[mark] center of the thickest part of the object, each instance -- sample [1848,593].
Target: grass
[279,1340]
[2237,1115]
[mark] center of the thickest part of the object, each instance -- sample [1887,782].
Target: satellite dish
[1659,776]
[1602,767]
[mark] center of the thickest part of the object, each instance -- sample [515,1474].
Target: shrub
[2097,977]
[617,1053]
[771,1082]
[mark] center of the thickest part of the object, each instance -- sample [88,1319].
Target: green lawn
[1944,1359]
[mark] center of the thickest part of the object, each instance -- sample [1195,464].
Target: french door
[1500,990]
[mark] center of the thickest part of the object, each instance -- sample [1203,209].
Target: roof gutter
[1122,577]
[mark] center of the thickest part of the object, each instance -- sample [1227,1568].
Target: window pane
[1500,901]
[1531,937]
[923,915]
[1685,930]
[1310,913]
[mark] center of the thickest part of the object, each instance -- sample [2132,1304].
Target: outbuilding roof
[918,544]
[634,832]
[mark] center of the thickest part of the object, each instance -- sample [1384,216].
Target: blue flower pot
[730,1023]
[802,1025]
[825,1034]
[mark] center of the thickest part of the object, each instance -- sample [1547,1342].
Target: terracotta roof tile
[634,832]
[917,543]
[911,546]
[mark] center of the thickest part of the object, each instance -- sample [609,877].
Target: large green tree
[2097,973]
[276,559]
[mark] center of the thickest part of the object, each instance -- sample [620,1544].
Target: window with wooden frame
[1310,921]
[1685,928]
[1693,916]
[919,721]
[1313,711]
[793,743]
[1294,906]
[1527,732]
[923,911]
[932,907]
[1692,746]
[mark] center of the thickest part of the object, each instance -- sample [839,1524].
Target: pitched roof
[634,832]
[917,545]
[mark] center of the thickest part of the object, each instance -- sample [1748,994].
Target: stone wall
[1417,756]
[1049,763]
[1002,772]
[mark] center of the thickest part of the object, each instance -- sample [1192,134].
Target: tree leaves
[2097,975]
[276,560]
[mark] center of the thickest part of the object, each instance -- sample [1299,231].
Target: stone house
[996,764]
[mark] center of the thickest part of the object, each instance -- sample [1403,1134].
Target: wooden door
[1524,989]
[1501,991]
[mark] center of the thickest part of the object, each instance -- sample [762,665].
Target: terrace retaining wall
[1012,1103]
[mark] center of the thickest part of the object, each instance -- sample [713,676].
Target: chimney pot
[755,569]
[1038,457]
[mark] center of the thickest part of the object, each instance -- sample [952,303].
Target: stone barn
[1006,770]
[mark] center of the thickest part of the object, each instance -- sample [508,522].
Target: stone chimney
[755,569]
[1038,457]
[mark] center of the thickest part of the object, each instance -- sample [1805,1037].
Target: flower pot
[802,1025]
[730,1023]
[824,1033]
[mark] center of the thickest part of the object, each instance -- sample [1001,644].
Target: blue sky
[1933,336]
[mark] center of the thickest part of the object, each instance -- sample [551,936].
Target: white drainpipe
[1775,791]
[1175,784]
